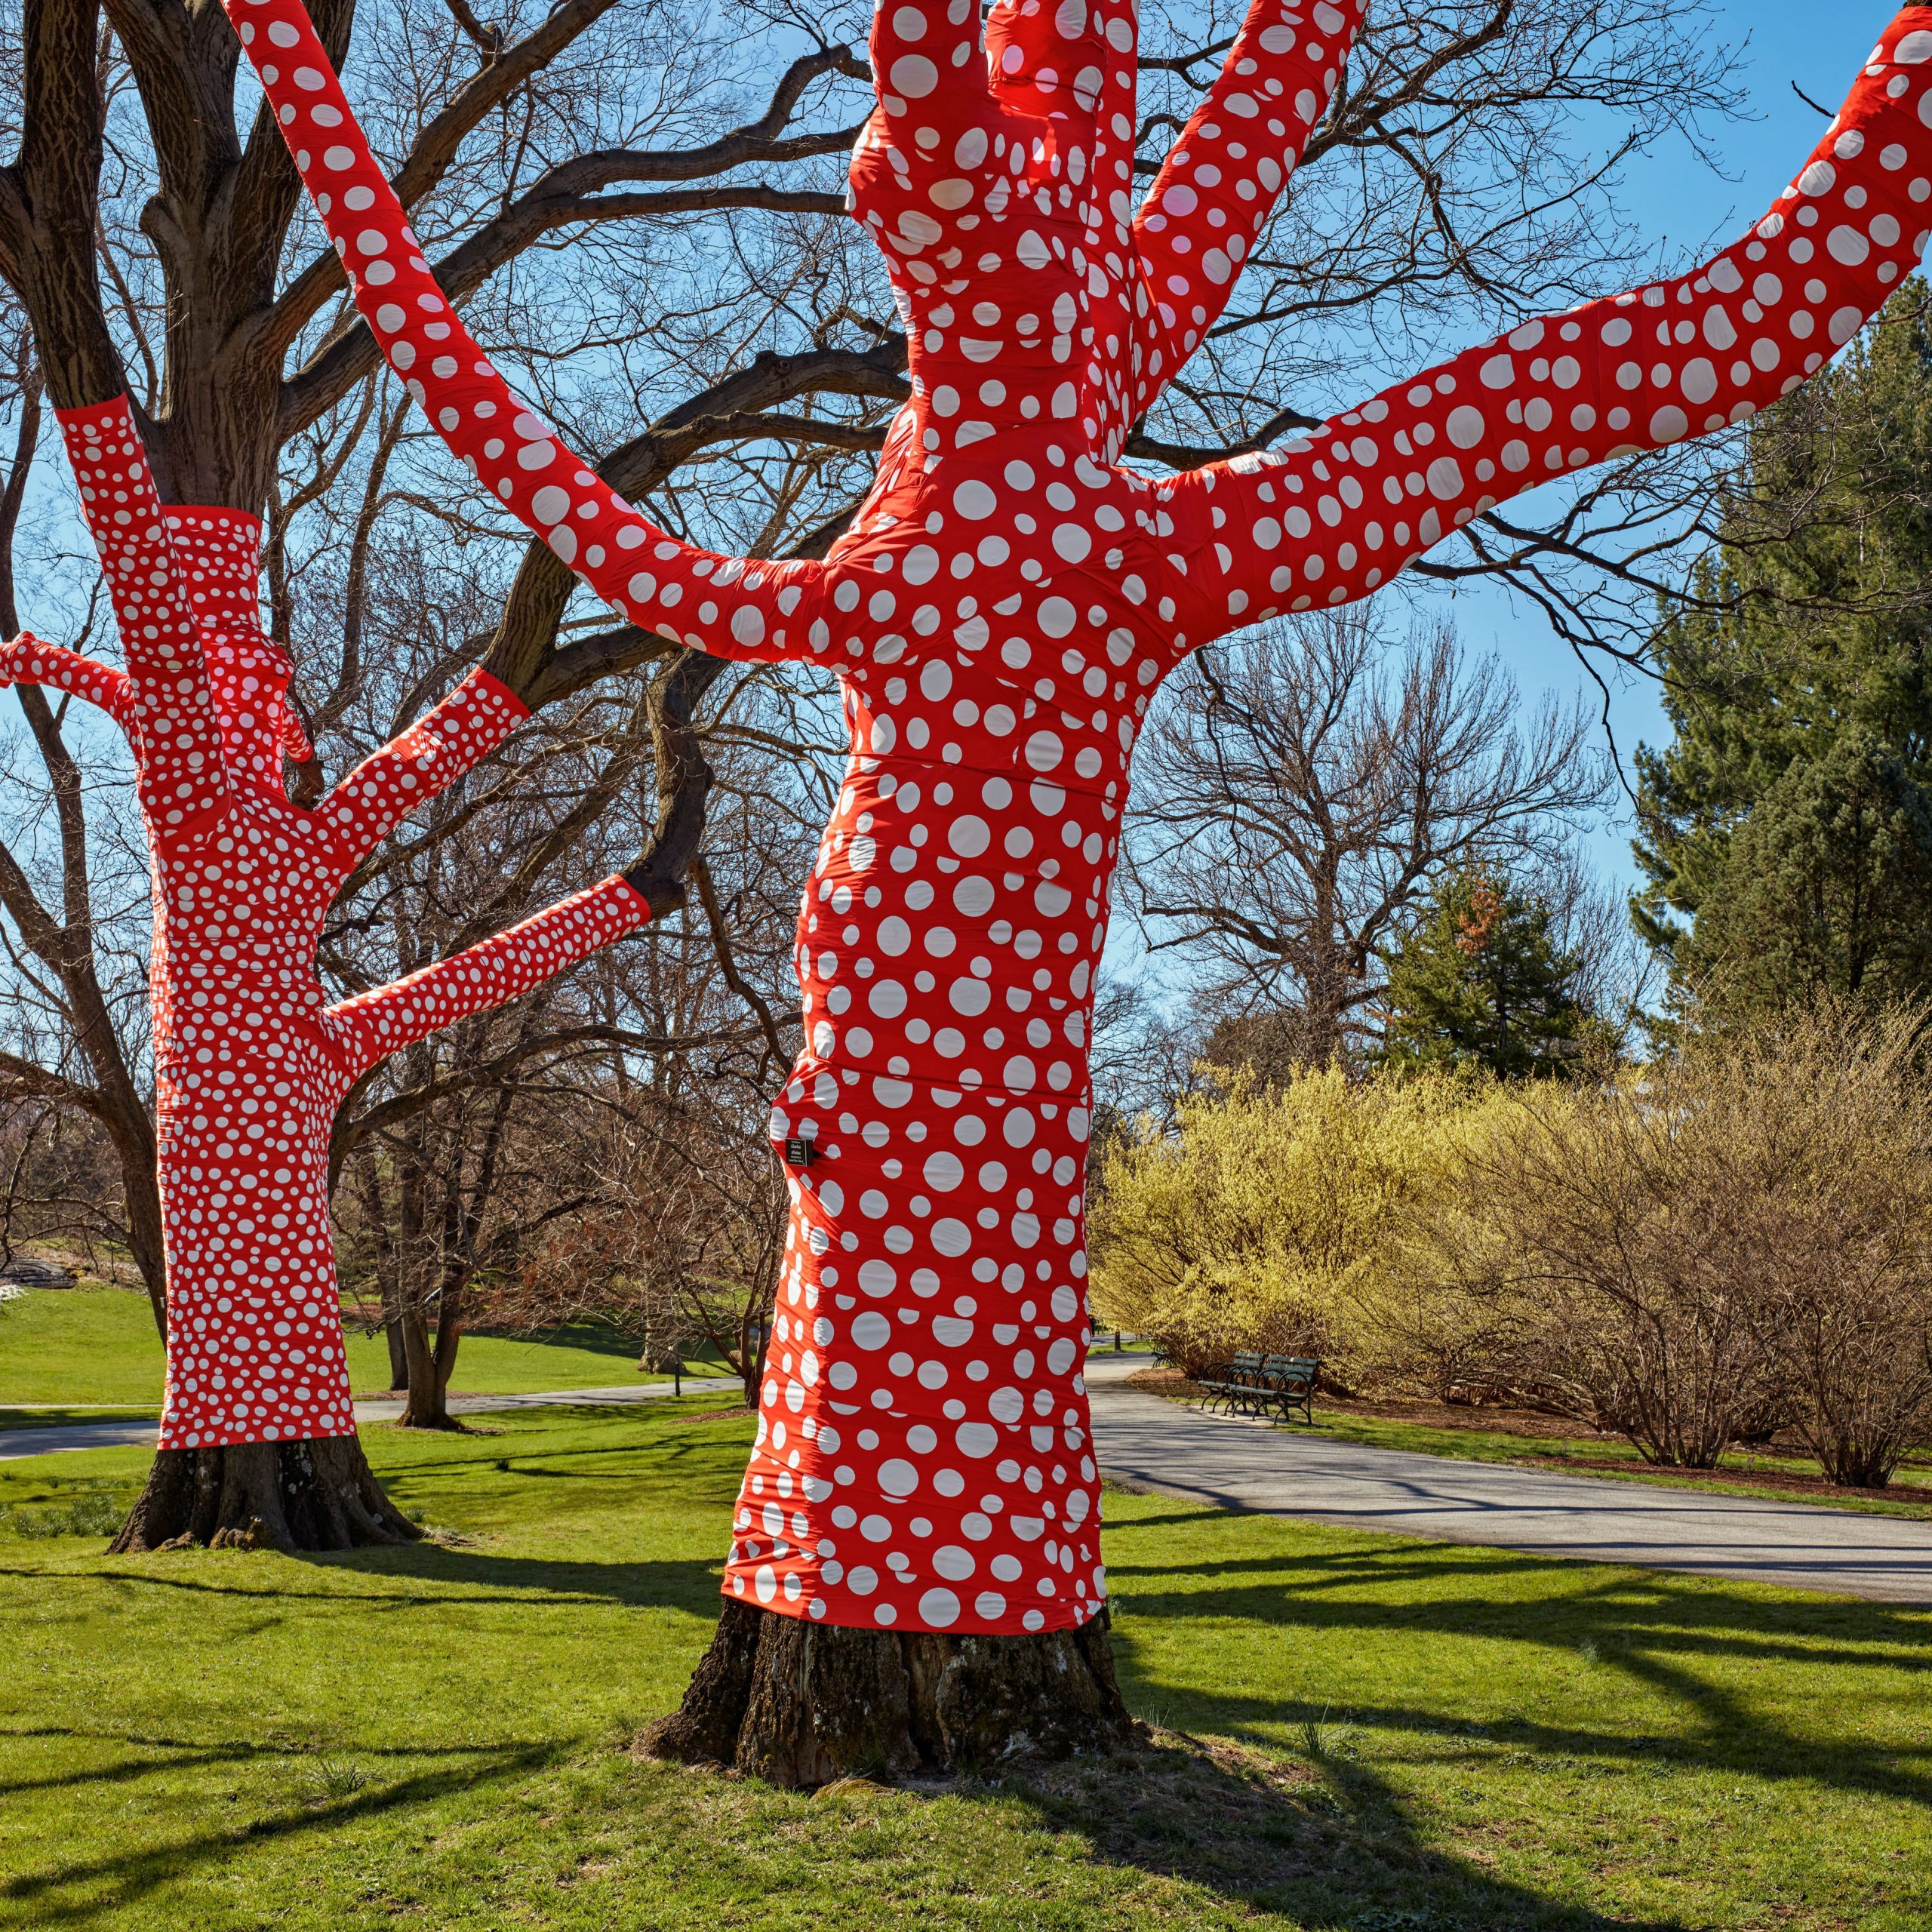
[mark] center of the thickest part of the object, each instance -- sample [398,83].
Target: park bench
[1235,1387]
[1254,1384]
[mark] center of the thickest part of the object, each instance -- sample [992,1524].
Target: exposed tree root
[431,1419]
[801,1704]
[314,1495]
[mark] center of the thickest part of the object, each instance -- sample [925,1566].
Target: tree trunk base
[437,1419]
[800,1704]
[314,1495]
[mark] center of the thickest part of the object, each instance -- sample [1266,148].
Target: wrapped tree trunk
[916,1574]
[251,1063]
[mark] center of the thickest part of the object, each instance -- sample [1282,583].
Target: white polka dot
[939,1608]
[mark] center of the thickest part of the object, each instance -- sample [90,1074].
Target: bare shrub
[1849,1310]
[675,1234]
[1736,1240]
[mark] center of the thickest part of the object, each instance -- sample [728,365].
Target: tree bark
[318,1494]
[800,1703]
[398,1345]
[428,1364]
[389,1285]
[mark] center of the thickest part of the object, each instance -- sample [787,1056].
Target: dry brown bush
[673,1235]
[1739,1239]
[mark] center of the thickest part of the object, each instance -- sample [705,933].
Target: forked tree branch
[49,203]
[727,963]
[566,195]
[523,653]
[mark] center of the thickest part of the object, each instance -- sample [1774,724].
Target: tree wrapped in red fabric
[251,1062]
[922,1498]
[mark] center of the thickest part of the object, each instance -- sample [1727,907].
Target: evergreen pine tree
[1787,827]
[1478,982]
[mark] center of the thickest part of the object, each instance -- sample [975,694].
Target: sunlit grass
[95,1350]
[1390,1734]
[1910,1494]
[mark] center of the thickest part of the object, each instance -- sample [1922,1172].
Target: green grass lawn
[78,1347]
[1360,1732]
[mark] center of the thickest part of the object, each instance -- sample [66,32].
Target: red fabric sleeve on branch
[293,739]
[217,555]
[421,762]
[26,660]
[723,605]
[1331,515]
[171,715]
[374,1024]
[1220,183]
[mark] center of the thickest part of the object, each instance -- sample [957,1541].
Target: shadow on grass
[1324,1838]
[473,1577]
[1327,1844]
[588,1337]
[166,1754]
[1655,1633]
[81,1892]
[1323,1588]
[661,1458]
[680,1583]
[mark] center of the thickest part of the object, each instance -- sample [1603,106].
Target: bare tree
[680,1244]
[1302,788]
[1617,974]
[600,1150]
[56,1172]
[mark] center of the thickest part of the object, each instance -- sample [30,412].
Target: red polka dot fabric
[25,659]
[251,1062]
[1334,514]
[998,614]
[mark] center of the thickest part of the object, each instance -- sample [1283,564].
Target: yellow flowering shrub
[1267,1220]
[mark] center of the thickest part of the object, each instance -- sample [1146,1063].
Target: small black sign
[800,1153]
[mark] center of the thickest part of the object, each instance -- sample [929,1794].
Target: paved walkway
[1175,1450]
[1162,1445]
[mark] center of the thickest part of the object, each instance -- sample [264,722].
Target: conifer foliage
[1787,826]
[1480,981]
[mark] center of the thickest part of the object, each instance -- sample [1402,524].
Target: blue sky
[1680,206]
